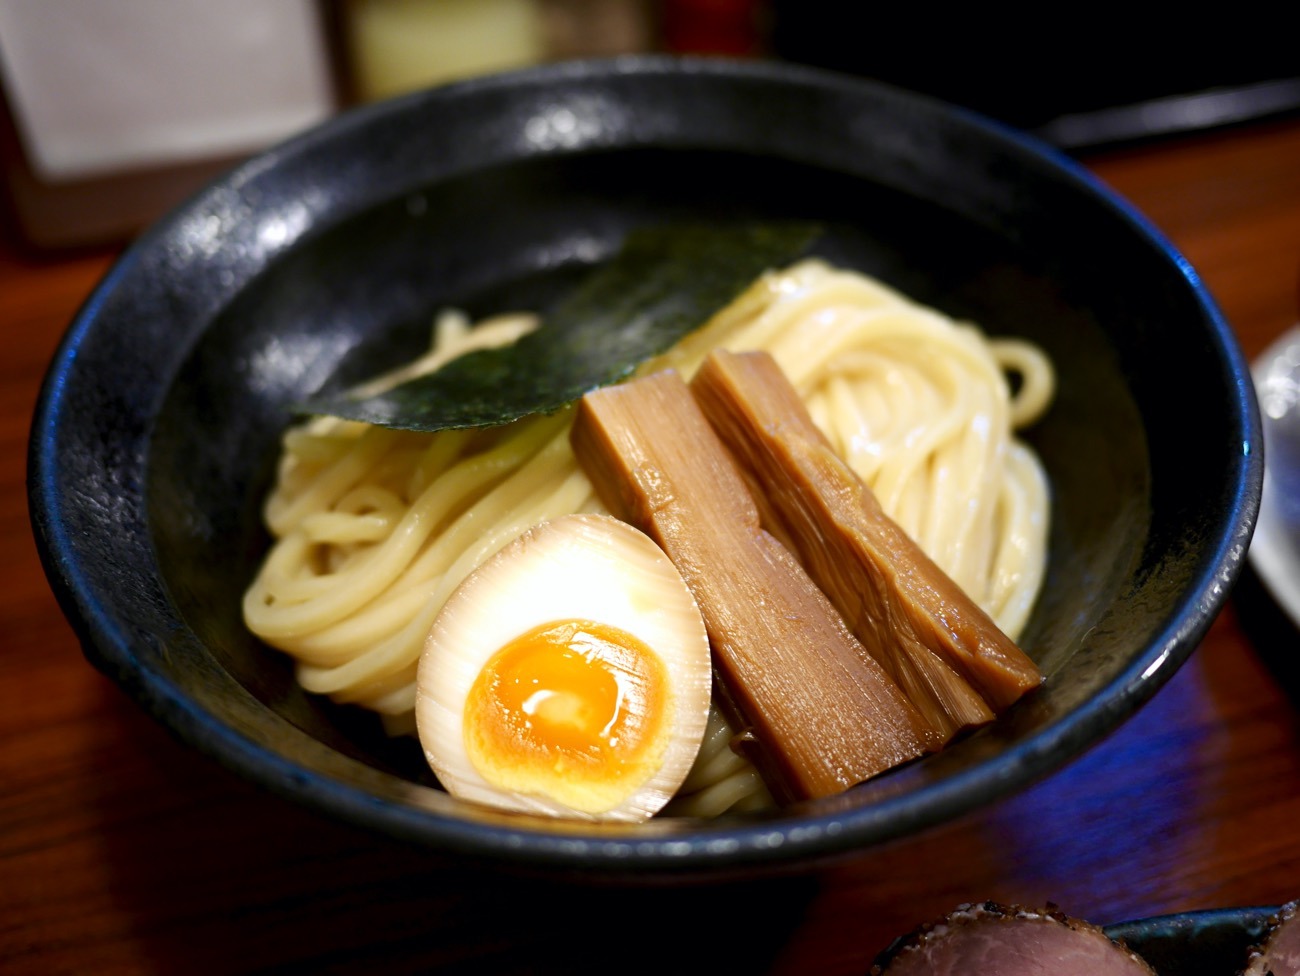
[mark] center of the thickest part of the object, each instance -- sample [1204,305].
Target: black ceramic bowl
[1212,942]
[155,435]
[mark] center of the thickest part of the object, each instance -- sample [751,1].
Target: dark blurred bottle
[736,28]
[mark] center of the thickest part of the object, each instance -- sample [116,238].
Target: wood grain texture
[122,852]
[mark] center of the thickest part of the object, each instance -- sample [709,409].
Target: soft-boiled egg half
[568,676]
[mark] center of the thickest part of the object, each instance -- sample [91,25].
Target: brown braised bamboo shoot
[929,635]
[821,714]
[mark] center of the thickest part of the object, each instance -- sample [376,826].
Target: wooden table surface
[123,852]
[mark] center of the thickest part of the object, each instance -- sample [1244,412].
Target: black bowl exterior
[1213,942]
[155,434]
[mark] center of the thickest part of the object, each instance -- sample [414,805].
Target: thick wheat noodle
[1018,572]
[374,527]
[741,789]
[507,511]
[309,603]
[716,759]
[720,779]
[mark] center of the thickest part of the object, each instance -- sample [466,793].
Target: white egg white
[580,567]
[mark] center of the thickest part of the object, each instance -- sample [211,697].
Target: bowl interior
[326,260]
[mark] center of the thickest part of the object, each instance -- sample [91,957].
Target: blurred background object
[599,28]
[396,46]
[114,110]
[1079,77]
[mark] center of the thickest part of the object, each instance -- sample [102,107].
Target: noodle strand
[374,528]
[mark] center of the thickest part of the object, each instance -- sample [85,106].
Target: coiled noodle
[373,527]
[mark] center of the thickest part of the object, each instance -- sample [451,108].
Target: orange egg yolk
[573,710]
